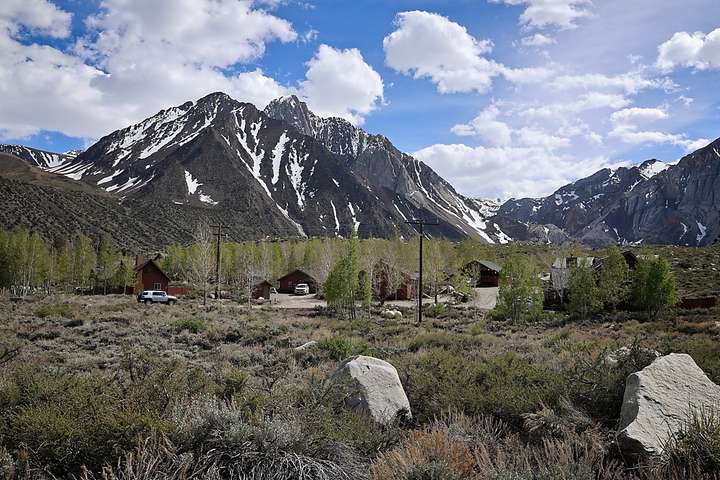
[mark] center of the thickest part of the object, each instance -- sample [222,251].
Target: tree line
[29,264]
[585,290]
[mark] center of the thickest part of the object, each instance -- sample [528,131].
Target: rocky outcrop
[660,399]
[614,358]
[372,386]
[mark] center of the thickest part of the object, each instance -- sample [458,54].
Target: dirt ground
[485,299]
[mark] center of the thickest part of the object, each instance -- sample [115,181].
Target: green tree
[520,295]
[84,259]
[654,290]
[613,276]
[107,263]
[342,287]
[583,292]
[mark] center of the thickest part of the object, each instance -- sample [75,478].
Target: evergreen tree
[613,276]
[583,291]
[520,295]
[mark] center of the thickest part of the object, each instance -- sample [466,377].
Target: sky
[503,98]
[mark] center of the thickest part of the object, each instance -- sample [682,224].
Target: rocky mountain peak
[292,110]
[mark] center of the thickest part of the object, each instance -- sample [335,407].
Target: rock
[613,358]
[659,400]
[372,386]
[306,346]
[391,314]
[397,314]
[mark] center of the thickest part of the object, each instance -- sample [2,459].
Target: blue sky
[502,97]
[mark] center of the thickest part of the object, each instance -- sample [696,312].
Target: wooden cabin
[262,290]
[288,282]
[149,276]
[483,273]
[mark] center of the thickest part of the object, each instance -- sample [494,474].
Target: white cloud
[537,40]
[638,115]
[695,50]
[38,16]
[340,83]
[504,172]
[428,45]
[138,58]
[632,135]
[585,102]
[499,134]
[563,14]
[630,83]
[487,127]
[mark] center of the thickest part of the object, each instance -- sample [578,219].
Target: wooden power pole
[218,236]
[422,225]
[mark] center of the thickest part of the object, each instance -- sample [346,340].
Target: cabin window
[157,286]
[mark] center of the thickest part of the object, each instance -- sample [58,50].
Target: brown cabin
[262,290]
[483,273]
[404,291]
[288,282]
[149,276]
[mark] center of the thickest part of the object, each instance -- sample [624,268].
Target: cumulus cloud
[630,83]
[505,172]
[695,50]
[537,40]
[38,16]
[494,132]
[487,127]
[637,115]
[563,14]
[428,45]
[583,103]
[139,57]
[631,134]
[340,83]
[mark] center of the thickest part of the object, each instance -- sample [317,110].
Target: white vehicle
[302,289]
[156,296]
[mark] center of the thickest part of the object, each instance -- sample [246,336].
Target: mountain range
[284,172]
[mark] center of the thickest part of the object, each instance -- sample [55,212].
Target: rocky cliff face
[417,191]
[679,206]
[652,203]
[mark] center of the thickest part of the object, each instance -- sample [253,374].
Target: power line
[421,224]
[219,235]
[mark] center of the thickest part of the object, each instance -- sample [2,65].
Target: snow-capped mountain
[39,158]
[416,189]
[282,172]
[653,202]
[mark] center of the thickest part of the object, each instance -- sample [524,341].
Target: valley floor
[101,374]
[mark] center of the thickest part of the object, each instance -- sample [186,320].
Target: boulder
[613,358]
[306,346]
[372,386]
[660,399]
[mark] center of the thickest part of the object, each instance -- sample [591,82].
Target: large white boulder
[660,399]
[372,386]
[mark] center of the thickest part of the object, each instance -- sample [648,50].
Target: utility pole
[421,224]
[218,236]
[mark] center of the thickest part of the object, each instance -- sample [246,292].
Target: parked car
[302,289]
[156,296]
